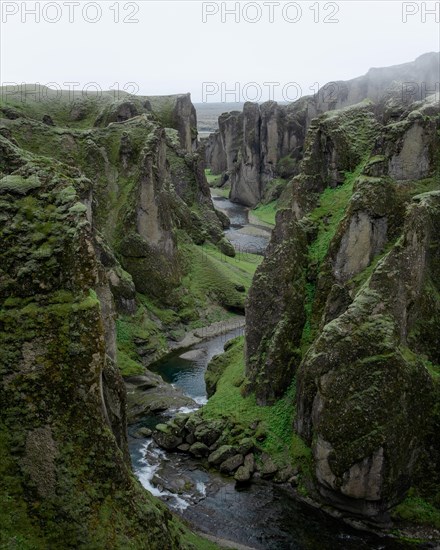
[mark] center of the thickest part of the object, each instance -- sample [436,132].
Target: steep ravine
[212,503]
[267,141]
[112,255]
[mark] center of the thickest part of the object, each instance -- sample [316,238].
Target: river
[262,516]
[246,236]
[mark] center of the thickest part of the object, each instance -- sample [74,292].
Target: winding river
[263,516]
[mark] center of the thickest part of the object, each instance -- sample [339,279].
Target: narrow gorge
[230,342]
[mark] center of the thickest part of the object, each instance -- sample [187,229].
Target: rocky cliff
[267,141]
[346,304]
[93,225]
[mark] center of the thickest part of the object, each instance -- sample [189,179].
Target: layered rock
[267,141]
[90,220]
[64,450]
[356,304]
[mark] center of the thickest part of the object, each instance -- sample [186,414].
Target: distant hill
[208,113]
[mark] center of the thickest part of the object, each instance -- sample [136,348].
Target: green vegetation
[212,179]
[286,166]
[275,423]
[361,278]
[274,199]
[223,191]
[17,530]
[434,370]
[328,215]
[417,510]
[413,188]
[214,277]
[326,218]
[307,335]
[266,212]
[213,289]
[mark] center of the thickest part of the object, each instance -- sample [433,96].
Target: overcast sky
[170,48]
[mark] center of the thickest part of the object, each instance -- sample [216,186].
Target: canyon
[117,255]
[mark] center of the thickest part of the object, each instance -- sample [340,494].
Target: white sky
[172,50]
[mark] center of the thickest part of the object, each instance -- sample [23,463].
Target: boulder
[245,446]
[143,432]
[166,437]
[249,462]
[231,464]
[268,468]
[199,449]
[208,433]
[244,472]
[242,475]
[221,454]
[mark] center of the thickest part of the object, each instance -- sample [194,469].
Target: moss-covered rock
[63,439]
[383,392]
[274,330]
[366,384]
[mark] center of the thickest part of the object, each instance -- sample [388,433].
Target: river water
[244,235]
[262,516]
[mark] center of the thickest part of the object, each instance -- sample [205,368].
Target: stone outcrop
[267,141]
[373,378]
[209,440]
[86,217]
[365,211]
[99,109]
[274,330]
[63,439]
[146,187]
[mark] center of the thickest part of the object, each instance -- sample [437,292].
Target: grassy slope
[327,216]
[275,421]
[266,212]
[210,295]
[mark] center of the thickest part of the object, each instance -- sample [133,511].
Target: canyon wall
[267,141]
[346,303]
[92,210]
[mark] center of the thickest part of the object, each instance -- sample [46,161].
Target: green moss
[18,185]
[215,277]
[17,530]
[275,422]
[286,165]
[327,216]
[66,479]
[307,335]
[212,179]
[266,212]
[361,278]
[127,366]
[417,510]
[139,327]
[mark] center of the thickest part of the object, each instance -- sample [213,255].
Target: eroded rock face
[63,414]
[275,311]
[274,145]
[245,178]
[382,392]
[363,240]
[215,153]
[411,162]
[146,184]
[175,111]
[364,392]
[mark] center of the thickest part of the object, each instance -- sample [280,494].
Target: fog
[210,48]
